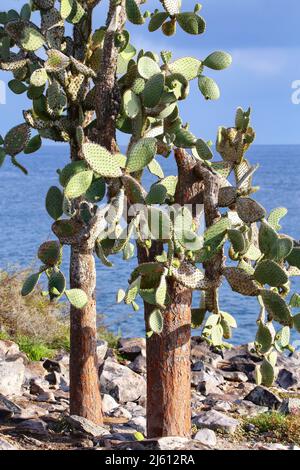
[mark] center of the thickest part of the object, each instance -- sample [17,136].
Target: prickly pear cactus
[64,88]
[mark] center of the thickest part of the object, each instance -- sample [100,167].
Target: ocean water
[24,224]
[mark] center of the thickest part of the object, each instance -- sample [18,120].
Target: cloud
[264,61]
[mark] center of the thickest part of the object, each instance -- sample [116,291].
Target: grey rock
[9,405]
[38,386]
[135,409]
[5,445]
[223,406]
[139,364]
[85,426]
[8,348]
[206,437]
[33,370]
[290,406]
[249,409]
[122,412]
[121,382]
[46,397]
[109,404]
[102,347]
[264,397]
[32,426]
[235,376]
[205,383]
[139,424]
[132,347]
[275,446]
[12,375]
[198,366]
[216,421]
[287,378]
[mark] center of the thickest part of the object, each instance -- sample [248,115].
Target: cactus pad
[153,90]
[17,139]
[54,202]
[133,12]
[29,284]
[131,104]
[277,308]
[156,321]
[101,161]
[190,276]
[294,257]
[275,216]
[189,67]
[249,210]
[147,67]
[269,272]
[218,60]
[77,297]
[50,253]
[79,184]
[141,154]
[241,282]
[31,39]
[208,88]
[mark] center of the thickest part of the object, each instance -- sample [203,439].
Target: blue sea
[24,224]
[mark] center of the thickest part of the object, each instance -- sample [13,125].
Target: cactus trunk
[168,368]
[85,398]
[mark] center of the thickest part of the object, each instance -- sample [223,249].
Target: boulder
[290,406]
[206,437]
[139,424]
[121,382]
[139,364]
[262,396]
[234,376]
[8,348]
[205,383]
[32,426]
[132,347]
[216,421]
[85,426]
[12,375]
[6,445]
[288,378]
[102,347]
[109,404]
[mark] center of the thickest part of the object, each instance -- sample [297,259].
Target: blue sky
[263,38]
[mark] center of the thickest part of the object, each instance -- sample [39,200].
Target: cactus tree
[83,89]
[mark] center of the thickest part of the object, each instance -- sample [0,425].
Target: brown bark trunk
[168,369]
[85,398]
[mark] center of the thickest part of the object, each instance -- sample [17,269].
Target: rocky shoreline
[34,401]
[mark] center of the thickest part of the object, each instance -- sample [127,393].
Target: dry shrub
[34,316]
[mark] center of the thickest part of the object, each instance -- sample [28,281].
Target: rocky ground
[34,402]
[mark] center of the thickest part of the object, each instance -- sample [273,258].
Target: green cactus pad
[134,191]
[77,297]
[16,139]
[79,184]
[141,154]
[56,283]
[155,168]
[218,60]
[203,150]
[282,338]
[31,39]
[241,282]
[237,240]
[249,210]
[208,88]
[264,338]
[96,191]
[29,284]
[157,194]
[275,216]
[153,90]
[191,23]
[54,202]
[138,86]
[156,321]
[131,104]
[133,290]
[268,373]
[189,276]
[296,322]
[101,161]
[185,139]
[57,61]
[70,170]
[39,78]
[269,272]
[277,307]
[161,292]
[170,183]
[157,20]
[294,257]
[189,67]
[267,237]
[223,168]
[50,253]
[133,12]
[147,67]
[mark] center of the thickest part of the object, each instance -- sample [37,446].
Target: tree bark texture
[168,354]
[85,398]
